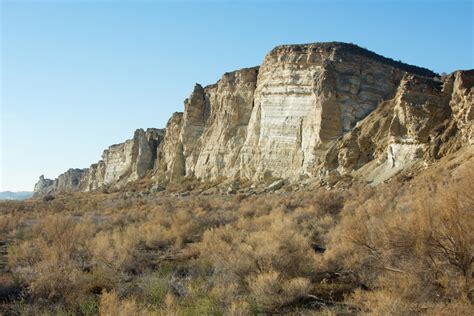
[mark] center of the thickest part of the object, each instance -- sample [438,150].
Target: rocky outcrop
[306,97]
[170,163]
[68,181]
[121,163]
[205,141]
[317,110]
[460,129]
[43,186]
[278,120]
[125,162]
[231,104]
[427,119]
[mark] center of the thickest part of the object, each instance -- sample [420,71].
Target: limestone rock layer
[308,111]
[121,163]
[426,119]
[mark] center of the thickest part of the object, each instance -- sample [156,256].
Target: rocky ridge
[121,163]
[426,120]
[317,111]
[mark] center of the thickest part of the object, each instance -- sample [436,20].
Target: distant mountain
[8,195]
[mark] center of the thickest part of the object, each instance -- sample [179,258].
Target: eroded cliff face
[460,129]
[205,141]
[121,163]
[278,120]
[170,164]
[43,186]
[128,161]
[318,110]
[426,120]
[307,97]
[231,104]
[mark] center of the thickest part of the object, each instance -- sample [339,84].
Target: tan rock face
[68,181]
[231,104]
[316,110]
[120,164]
[43,186]
[196,114]
[95,177]
[128,161]
[420,105]
[460,86]
[278,120]
[306,97]
[425,120]
[205,141]
[170,163]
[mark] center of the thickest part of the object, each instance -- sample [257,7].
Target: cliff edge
[321,111]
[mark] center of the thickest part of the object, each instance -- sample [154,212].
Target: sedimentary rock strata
[426,119]
[121,163]
[308,111]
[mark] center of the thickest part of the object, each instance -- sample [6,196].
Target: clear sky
[78,76]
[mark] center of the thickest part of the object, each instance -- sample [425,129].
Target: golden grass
[400,248]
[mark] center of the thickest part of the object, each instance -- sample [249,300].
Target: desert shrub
[89,306]
[181,224]
[199,300]
[414,251]
[201,305]
[241,307]
[271,291]
[253,250]
[256,245]
[112,305]
[48,198]
[383,303]
[31,309]
[329,202]
[52,261]
[58,279]
[179,228]
[158,233]
[453,308]
[157,285]
[8,222]
[117,251]
[396,249]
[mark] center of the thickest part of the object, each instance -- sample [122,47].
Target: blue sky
[78,76]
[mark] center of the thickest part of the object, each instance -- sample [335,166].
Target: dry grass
[401,248]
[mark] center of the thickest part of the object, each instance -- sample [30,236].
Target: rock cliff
[43,186]
[306,97]
[427,119]
[231,103]
[121,163]
[309,111]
